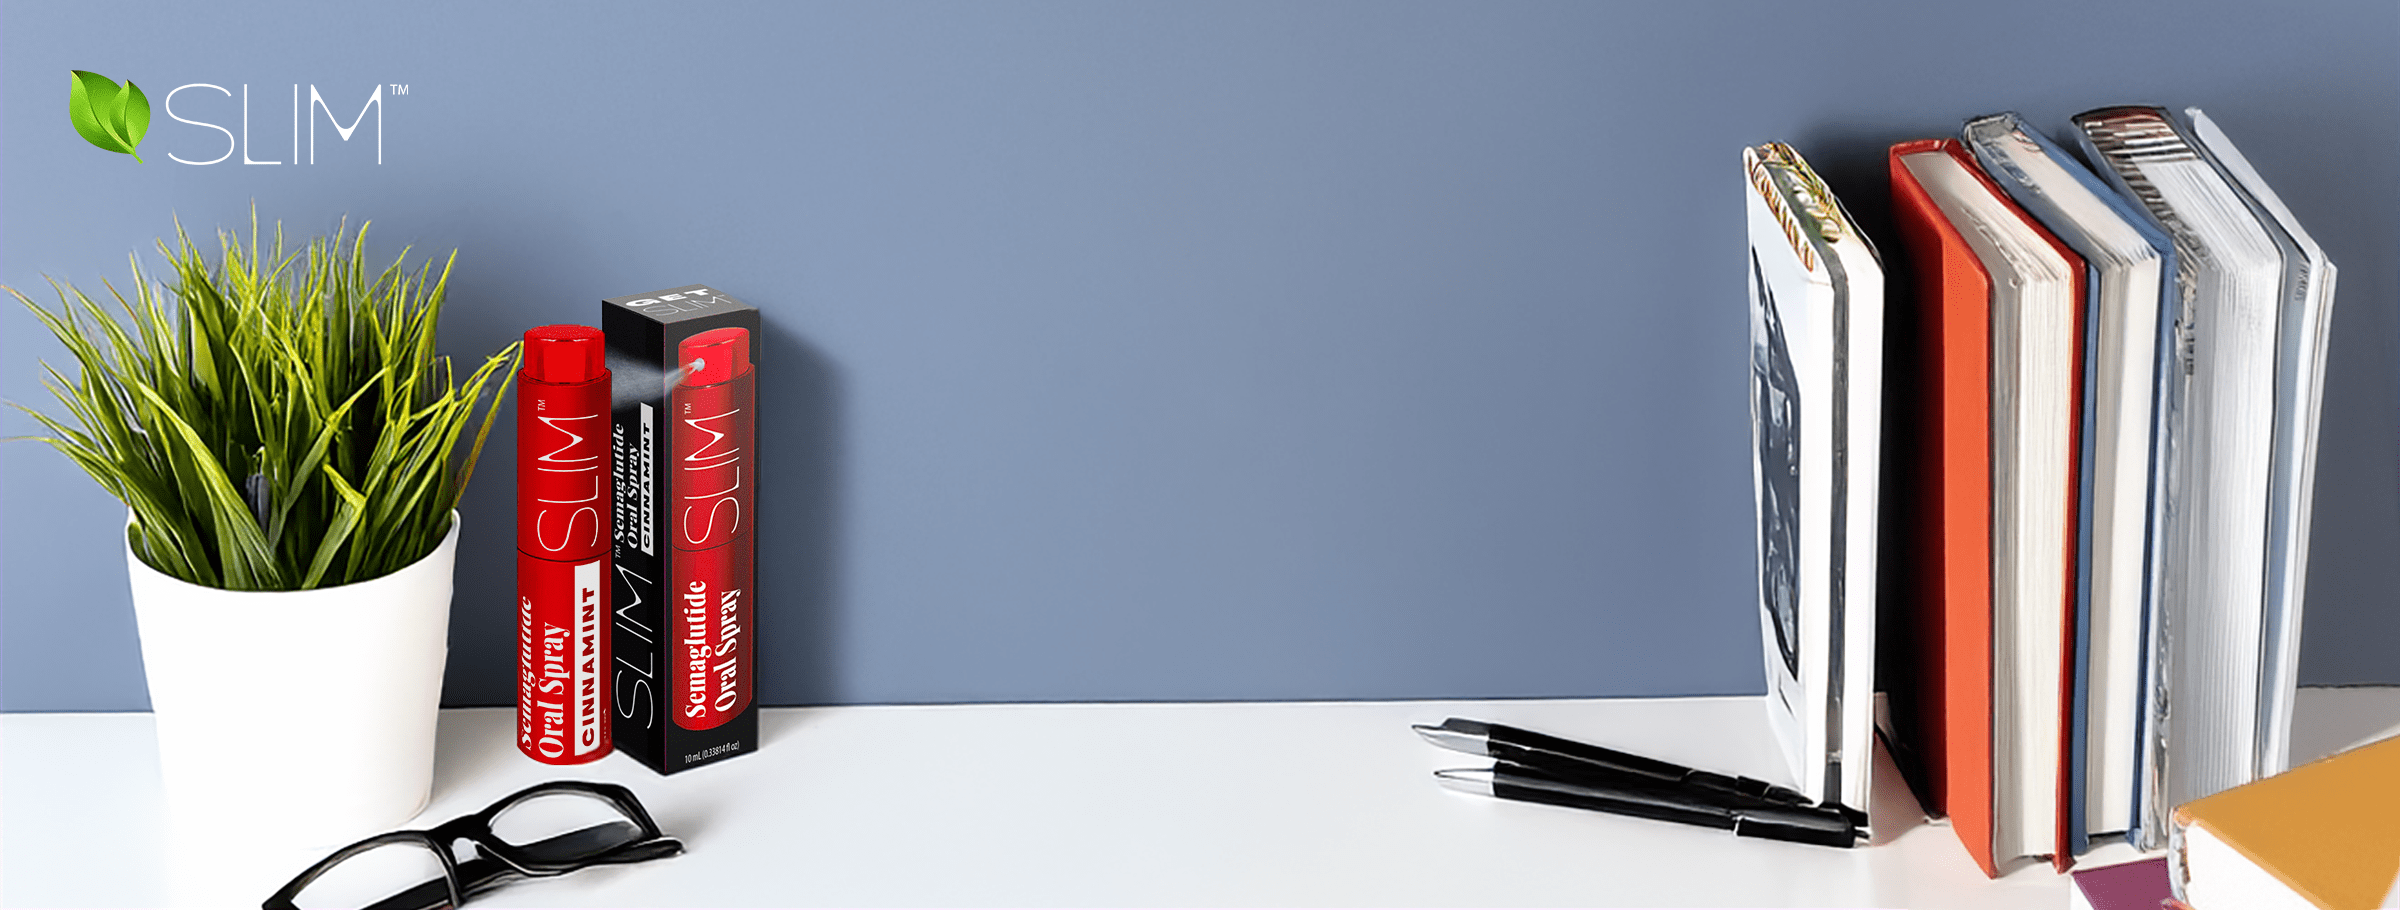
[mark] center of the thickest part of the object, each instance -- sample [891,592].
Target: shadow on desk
[2325,720]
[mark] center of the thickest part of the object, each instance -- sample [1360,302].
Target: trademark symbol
[399,89]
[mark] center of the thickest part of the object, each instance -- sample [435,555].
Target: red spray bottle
[712,498]
[564,506]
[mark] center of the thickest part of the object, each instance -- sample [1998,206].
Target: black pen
[1581,762]
[1797,824]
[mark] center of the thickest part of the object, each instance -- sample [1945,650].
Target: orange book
[1945,567]
[2321,835]
[1956,577]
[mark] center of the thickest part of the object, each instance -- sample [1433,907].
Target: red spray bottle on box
[564,506]
[711,511]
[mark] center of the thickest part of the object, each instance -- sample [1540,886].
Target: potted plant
[287,443]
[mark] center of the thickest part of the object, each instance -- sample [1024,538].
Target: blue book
[2130,281]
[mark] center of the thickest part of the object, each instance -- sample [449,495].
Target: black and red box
[683,409]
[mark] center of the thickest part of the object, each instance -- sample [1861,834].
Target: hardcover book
[2129,274]
[2006,299]
[2318,837]
[1942,697]
[2203,731]
[2306,311]
[1816,367]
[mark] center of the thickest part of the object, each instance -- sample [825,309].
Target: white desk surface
[1288,804]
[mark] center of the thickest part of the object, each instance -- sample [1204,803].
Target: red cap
[714,356]
[561,354]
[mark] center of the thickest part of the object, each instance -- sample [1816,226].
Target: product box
[684,364]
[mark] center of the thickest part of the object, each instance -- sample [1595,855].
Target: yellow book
[2323,836]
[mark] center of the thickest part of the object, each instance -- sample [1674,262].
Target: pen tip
[1466,780]
[1449,736]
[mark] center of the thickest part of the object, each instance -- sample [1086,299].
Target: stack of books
[2094,461]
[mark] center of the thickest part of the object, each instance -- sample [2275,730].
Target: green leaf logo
[107,115]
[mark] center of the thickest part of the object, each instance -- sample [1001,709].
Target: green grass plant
[274,420]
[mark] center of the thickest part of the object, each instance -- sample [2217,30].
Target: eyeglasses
[540,831]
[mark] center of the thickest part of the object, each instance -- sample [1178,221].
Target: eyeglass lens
[377,876]
[563,827]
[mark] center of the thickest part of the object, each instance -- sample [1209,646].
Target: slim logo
[115,118]
[106,114]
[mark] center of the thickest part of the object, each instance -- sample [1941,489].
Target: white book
[2128,259]
[2307,309]
[1816,327]
[2210,559]
[1858,445]
[2034,365]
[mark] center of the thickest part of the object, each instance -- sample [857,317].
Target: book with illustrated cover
[1816,365]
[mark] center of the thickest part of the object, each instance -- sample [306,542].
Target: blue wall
[1130,351]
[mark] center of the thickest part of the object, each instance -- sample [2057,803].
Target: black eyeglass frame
[474,878]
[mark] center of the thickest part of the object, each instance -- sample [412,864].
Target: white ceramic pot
[300,717]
